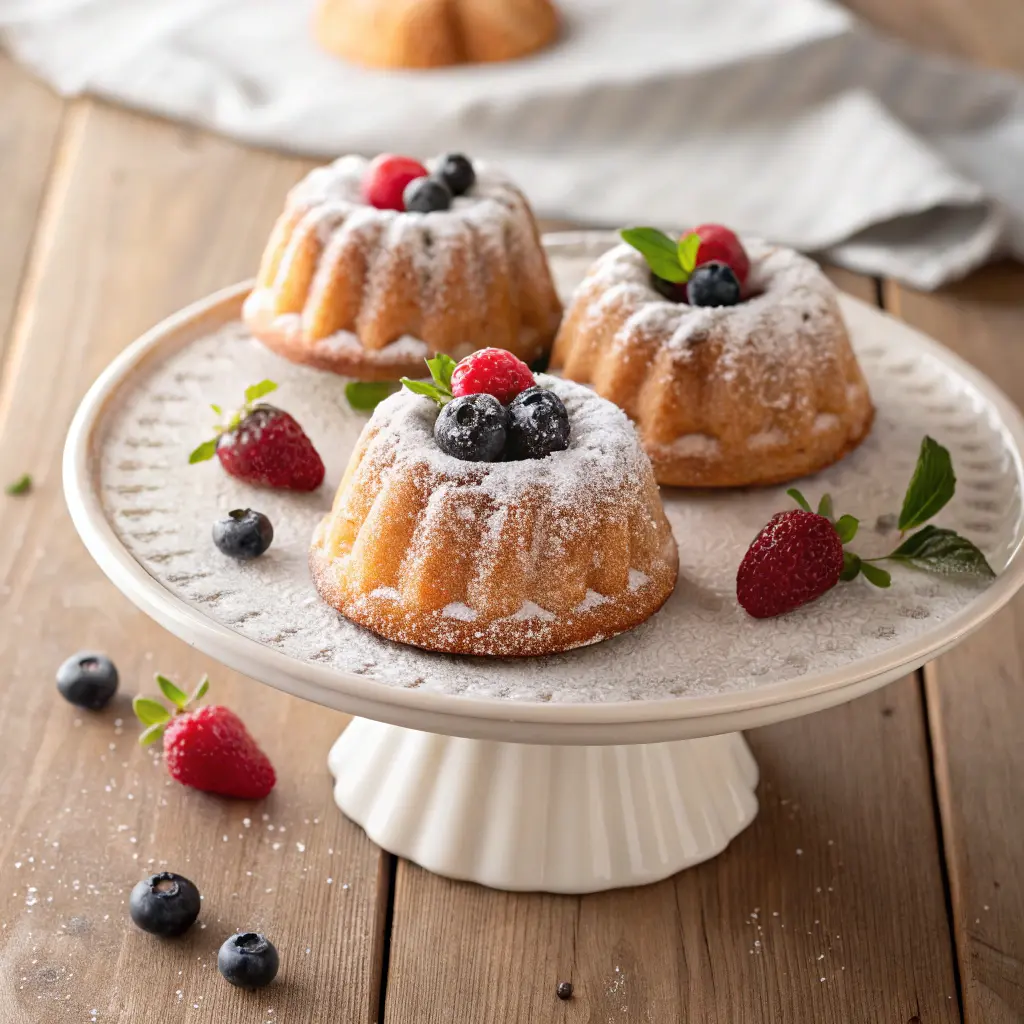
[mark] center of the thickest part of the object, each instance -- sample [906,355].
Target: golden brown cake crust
[369,293]
[434,33]
[749,395]
[506,559]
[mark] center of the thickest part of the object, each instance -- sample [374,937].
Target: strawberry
[205,747]
[719,243]
[264,445]
[386,178]
[796,558]
[491,371]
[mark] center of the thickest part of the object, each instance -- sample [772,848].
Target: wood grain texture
[987,31]
[828,908]
[143,218]
[30,120]
[976,692]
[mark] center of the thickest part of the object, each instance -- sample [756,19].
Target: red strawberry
[719,243]
[263,445]
[796,558]
[207,747]
[386,178]
[492,371]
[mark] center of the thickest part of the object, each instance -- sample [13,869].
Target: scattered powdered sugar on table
[700,643]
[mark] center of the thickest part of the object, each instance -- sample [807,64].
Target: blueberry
[669,289]
[425,195]
[248,960]
[538,424]
[713,284]
[472,428]
[456,171]
[88,679]
[165,904]
[243,533]
[564,990]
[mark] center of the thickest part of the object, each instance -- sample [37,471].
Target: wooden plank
[976,693]
[30,118]
[143,218]
[988,31]
[829,908]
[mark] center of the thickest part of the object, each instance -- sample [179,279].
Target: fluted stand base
[542,818]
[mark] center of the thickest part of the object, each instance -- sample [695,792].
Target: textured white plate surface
[700,666]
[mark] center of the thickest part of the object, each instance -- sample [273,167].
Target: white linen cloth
[787,119]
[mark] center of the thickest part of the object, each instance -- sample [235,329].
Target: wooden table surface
[883,879]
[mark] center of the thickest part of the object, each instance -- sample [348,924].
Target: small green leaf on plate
[366,395]
[660,251]
[20,486]
[150,712]
[200,691]
[799,499]
[151,734]
[825,506]
[204,452]
[256,391]
[876,576]
[851,566]
[931,486]
[942,551]
[846,527]
[217,409]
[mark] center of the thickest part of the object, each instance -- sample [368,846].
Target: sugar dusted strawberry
[206,747]
[264,445]
[719,243]
[795,559]
[386,178]
[492,371]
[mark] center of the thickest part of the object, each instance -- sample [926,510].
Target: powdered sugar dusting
[700,643]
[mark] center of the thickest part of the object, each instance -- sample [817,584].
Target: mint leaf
[151,734]
[441,368]
[204,452]
[200,691]
[875,576]
[686,251]
[20,486]
[660,251]
[257,391]
[799,499]
[366,395]
[217,409]
[825,506]
[421,387]
[846,527]
[931,486]
[150,712]
[177,697]
[942,551]
[852,565]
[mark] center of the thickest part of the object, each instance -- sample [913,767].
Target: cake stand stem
[544,818]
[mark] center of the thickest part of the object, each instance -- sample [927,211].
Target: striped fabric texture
[787,119]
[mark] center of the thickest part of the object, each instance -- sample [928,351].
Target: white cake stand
[615,765]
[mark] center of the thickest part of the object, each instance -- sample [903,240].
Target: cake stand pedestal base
[544,818]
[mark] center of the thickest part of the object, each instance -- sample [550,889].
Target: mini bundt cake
[357,280]
[553,543]
[735,378]
[434,33]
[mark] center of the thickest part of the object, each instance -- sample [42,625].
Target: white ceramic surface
[576,791]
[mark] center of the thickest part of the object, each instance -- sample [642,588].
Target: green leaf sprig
[20,486]
[253,394]
[155,716]
[366,395]
[932,548]
[439,388]
[670,260]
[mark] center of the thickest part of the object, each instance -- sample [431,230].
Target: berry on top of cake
[376,264]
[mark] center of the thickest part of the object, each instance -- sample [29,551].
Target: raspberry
[386,178]
[719,243]
[492,371]
[268,447]
[796,558]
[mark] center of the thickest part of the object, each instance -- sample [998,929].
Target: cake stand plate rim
[635,721]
